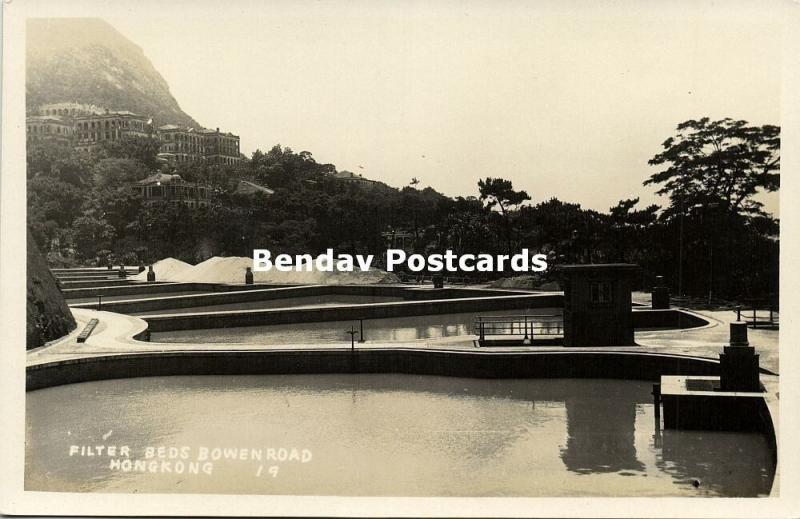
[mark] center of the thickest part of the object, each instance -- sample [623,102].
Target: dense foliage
[712,237]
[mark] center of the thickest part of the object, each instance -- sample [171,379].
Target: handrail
[526,325]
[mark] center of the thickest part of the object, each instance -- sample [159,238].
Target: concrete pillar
[248,276]
[739,362]
[660,294]
[151,275]
[738,334]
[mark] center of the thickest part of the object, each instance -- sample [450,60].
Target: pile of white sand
[165,269]
[526,283]
[232,270]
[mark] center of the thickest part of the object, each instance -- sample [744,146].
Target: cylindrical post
[151,275]
[525,338]
[657,403]
[248,276]
[361,334]
[482,334]
[99,302]
[738,334]
[738,313]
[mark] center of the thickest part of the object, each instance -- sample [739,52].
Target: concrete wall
[96,283]
[478,364]
[245,293]
[140,288]
[671,318]
[163,323]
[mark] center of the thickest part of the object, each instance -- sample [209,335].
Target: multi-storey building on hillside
[181,144]
[92,130]
[85,127]
[163,187]
[52,128]
[221,147]
[70,109]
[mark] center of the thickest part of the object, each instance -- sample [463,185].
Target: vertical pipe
[526,329]
[361,333]
[657,404]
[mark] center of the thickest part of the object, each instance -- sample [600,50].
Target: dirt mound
[232,270]
[526,283]
[165,269]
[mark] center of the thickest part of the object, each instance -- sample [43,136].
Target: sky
[565,99]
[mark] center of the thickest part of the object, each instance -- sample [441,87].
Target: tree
[712,170]
[722,162]
[629,228]
[499,192]
[143,149]
[115,172]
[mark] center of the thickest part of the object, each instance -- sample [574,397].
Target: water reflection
[325,300]
[600,435]
[391,435]
[396,329]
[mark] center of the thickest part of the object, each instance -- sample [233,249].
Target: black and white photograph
[437,251]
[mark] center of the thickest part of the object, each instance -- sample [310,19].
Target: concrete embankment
[163,323]
[137,289]
[249,293]
[478,364]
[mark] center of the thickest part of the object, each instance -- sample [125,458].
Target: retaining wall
[550,364]
[164,323]
[668,318]
[248,293]
[142,287]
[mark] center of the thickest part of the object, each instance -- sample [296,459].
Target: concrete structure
[163,187]
[739,362]
[660,300]
[597,304]
[733,401]
[697,403]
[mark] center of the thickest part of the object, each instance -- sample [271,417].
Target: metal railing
[528,326]
[755,320]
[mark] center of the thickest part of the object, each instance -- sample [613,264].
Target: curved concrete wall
[477,364]
[668,318]
[163,323]
[248,293]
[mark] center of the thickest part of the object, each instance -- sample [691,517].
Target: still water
[394,329]
[378,435]
[285,303]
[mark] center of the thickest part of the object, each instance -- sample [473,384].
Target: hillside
[48,316]
[88,61]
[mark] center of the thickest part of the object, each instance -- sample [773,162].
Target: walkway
[114,335]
